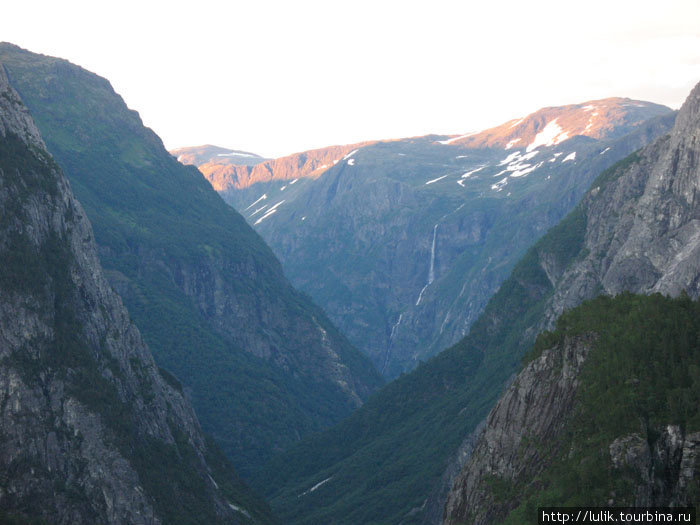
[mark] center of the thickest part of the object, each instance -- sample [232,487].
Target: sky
[277,77]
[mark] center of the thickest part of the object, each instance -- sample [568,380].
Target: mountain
[404,242]
[263,364]
[92,430]
[216,162]
[598,119]
[395,459]
[641,235]
[227,171]
[199,155]
[604,413]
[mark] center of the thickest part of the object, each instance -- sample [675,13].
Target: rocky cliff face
[86,416]
[577,427]
[635,231]
[642,233]
[210,298]
[532,410]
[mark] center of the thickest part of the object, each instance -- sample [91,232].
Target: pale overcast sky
[275,77]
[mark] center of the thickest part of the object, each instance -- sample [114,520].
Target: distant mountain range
[403,242]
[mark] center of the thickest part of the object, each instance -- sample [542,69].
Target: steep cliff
[91,431]
[634,231]
[605,413]
[264,364]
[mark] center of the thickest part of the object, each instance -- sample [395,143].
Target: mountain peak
[597,119]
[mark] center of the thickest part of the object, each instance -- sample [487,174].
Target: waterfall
[431,271]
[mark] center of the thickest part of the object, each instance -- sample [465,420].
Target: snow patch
[455,139]
[435,180]
[238,509]
[461,156]
[315,487]
[470,173]
[499,185]
[214,482]
[259,209]
[525,170]
[510,158]
[268,213]
[570,156]
[588,108]
[512,143]
[346,157]
[351,162]
[460,182]
[234,154]
[298,179]
[605,150]
[283,188]
[516,123]
[262,198]
[550,135]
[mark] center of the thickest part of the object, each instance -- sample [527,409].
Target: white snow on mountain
[435,180]
[550,135]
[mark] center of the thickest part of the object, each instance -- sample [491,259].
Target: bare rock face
[532,410]
[662,474]
[643,227]
[82,405]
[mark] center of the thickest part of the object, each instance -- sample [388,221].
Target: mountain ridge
[209,296]
[403,242]
[89,424]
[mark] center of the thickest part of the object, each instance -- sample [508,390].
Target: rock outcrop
[642,222]
[533,410]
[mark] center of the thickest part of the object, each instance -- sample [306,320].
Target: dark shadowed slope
[264,365]
[90,430]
